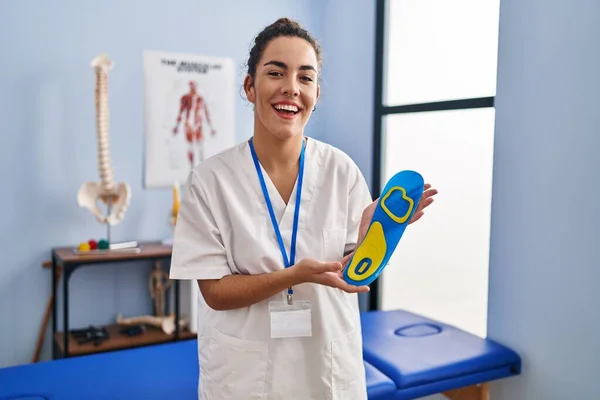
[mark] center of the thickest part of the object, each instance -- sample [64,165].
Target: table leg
[66,273]
[485,391]
[54,287]
[177,311]
[47,314]
[473,392]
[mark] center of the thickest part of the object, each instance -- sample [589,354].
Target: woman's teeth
[286,107]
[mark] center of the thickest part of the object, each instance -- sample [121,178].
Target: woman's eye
[275,73]
[307,78]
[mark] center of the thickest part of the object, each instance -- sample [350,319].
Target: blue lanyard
[287,262]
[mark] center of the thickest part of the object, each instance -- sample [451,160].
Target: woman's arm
[237,291]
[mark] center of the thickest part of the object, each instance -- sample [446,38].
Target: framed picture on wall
[189,113]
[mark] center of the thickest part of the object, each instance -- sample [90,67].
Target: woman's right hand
[324,273]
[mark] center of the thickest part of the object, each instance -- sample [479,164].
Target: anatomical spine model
[115,195]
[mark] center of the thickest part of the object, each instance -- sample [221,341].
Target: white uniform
[224,228]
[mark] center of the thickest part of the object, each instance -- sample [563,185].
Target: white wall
[545,258]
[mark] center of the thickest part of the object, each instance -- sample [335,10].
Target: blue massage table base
[407,356]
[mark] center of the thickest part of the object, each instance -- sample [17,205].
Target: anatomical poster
[189,113]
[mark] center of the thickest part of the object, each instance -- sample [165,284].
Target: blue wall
[544,271]
[346,108]
[47,109]
[347,91]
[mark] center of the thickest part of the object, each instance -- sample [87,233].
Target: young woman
[264,227]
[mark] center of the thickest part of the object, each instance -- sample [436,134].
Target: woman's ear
[249,89]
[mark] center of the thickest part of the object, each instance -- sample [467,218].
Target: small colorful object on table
[104,246]
[92,244]
[396,207]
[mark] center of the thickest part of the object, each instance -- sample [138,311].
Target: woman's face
[285,87]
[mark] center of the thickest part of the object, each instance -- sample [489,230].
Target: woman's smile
[286,109]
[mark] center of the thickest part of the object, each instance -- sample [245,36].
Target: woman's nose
[291,89]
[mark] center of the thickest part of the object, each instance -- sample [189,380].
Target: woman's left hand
[367,215]
[426,200]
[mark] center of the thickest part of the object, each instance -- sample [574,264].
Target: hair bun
[286,22]
[282,27]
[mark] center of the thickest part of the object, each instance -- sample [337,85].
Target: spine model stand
[115,196]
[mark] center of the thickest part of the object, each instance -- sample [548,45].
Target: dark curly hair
[281,27]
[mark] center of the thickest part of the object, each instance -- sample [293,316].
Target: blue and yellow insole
[396,207]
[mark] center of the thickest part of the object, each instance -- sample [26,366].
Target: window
[434,113]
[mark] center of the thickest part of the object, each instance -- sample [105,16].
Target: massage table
[407,356]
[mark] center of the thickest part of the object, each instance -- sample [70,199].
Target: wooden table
[67,260]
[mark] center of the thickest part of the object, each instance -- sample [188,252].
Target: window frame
[381,110]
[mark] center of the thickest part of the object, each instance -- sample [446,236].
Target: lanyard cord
[291,261]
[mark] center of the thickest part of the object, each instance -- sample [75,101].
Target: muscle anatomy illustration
[192,106]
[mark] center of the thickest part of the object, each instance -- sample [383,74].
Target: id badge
[290,320]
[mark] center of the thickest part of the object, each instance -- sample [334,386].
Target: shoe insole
[396,207]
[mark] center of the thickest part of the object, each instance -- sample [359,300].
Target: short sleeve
[198,250]
[359,199]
